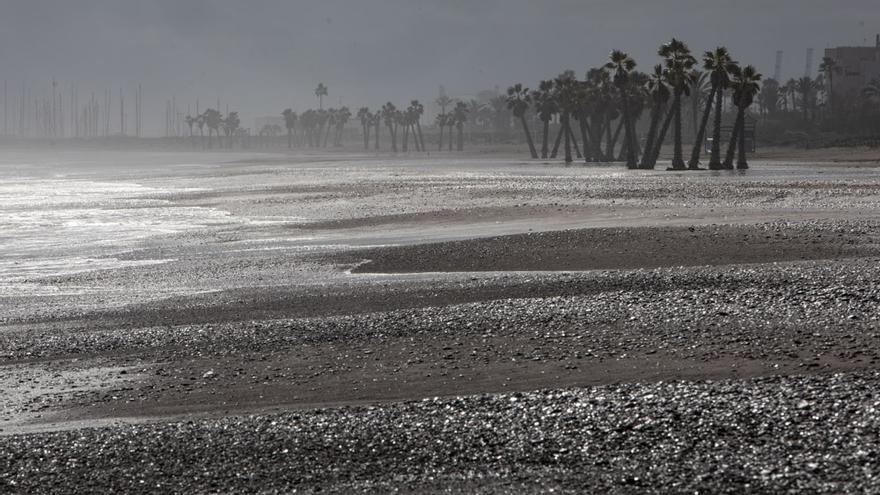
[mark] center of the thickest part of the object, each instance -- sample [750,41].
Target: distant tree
[366,119]
[389,115]
[518,101]
[830,68]
[719,63]
[231,125]
[290,118]
[200,123]
[343,115]
[190,122]
[658,90]
[459,115]
[321,92]
[679,64]
[546,106]
[621,67]
[440,120]
[418,110]
[213,119]
[745,84]
[443,102]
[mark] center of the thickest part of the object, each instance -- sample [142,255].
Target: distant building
[858,65]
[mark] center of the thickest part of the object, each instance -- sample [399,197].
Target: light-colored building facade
[857,66]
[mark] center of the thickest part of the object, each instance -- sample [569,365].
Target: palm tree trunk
[460,137]
[741,163]
[701,131]
[378,128]
[558,140]
[677,159]
[544,143]
[577,151]
[613,144]
[609,146]
[655,154]
[421,136]
[525,125]
[289,138]
[393,139]
[656,112]
[588,154]
[405,138]
[715,156]
[629,135]
[366,130]
[440,141]
[567,132]
[734,136]
[450,138]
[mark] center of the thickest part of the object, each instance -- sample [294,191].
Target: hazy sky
[260,56]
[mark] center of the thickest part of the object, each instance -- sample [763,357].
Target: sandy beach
[344,322]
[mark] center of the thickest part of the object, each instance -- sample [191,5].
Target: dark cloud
[264,54]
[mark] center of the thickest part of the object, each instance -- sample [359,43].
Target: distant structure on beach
[858,65]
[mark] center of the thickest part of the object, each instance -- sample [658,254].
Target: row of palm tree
[611,99]
[229,126]
[315,126]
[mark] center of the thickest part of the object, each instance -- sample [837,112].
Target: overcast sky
[260,56]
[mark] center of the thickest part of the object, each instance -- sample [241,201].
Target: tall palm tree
[200,123]
[213,119]
[190,122]
[440,120]
[418,110]
[621,66]
[459,115]
[231,125]
[717,63]
[342,117]
[321,92]
[389,114]
[546,107]
[290,118]
[805,87]
[830,67]
[720,65]
[745,85]
[518,101]
[679,63]
[659,91]
[566,85]
[366,119]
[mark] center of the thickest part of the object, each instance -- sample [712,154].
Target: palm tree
[389,114]
[213,119]
[342,117]
[289,122]
[200,123]
[418,110]
[546,106]
[621,66]
[679,63]
[769,97]
[377,126]
[230,127]
[440,120]
[366,119]
[321,92]
[459,115]
[805,87]
[566,94]
[518,101]
[718,64]
[443,101]
[745,84]
[829,67]
[190,121]
[659,91]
